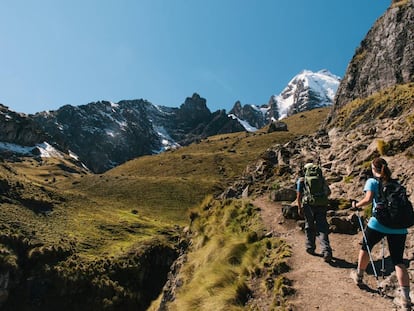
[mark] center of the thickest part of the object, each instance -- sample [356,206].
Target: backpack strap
[381,185]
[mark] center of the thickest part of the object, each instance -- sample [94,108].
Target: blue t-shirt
[373,185]
[300,185]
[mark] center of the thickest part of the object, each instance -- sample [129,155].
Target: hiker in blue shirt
[375,231]
[316,223]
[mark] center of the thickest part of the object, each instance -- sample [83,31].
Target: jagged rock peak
[273,111]
[196,100]
[250,116]
[194,108]
[237,108]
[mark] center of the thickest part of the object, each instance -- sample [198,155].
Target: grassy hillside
[168,184]
[100,235]
[388,103]
[228,251]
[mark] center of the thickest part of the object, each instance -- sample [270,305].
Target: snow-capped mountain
[306,91]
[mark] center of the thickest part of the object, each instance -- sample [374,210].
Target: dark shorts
[396,243]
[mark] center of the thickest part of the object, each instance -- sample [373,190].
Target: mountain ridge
[103,134]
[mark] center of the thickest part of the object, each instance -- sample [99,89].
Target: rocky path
[320,285]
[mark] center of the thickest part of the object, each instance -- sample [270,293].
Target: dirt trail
[320,285]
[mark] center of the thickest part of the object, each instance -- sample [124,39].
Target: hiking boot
[356,277]
[310,251]
[327,256]
[402,302]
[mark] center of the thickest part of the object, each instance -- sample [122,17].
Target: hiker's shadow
[341,263]
[368,289]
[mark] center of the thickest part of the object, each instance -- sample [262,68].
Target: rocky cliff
[20,129]
[384,58]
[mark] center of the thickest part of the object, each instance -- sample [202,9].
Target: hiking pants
[396,243]
[316,225]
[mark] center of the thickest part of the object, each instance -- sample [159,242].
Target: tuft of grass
[360,56]
[343,204]
[218,271]
[410,120]
[348,179]
[382,147]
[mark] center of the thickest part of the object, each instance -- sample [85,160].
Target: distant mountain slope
[21,136]
[106,134]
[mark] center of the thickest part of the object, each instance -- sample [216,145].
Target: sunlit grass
[390,102]
[225,256]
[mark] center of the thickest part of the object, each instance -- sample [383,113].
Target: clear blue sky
[56,52]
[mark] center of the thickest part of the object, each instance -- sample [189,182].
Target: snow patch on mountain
[245,124]
[166,141]
[45,150]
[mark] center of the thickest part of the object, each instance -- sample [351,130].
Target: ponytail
[381,167]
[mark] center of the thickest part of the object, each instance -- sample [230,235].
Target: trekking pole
[383,259]
[366,244]
[369,253]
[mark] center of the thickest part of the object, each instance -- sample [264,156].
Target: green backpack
[315,192]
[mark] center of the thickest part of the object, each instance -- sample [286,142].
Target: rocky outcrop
[193,121]
[277,126]
[251,114]
[384,58]
[19,129]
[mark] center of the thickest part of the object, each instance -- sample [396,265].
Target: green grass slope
[168,184]
[104,236]
[388,103]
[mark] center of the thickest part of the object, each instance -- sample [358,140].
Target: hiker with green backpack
[312,199]
[386,221]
